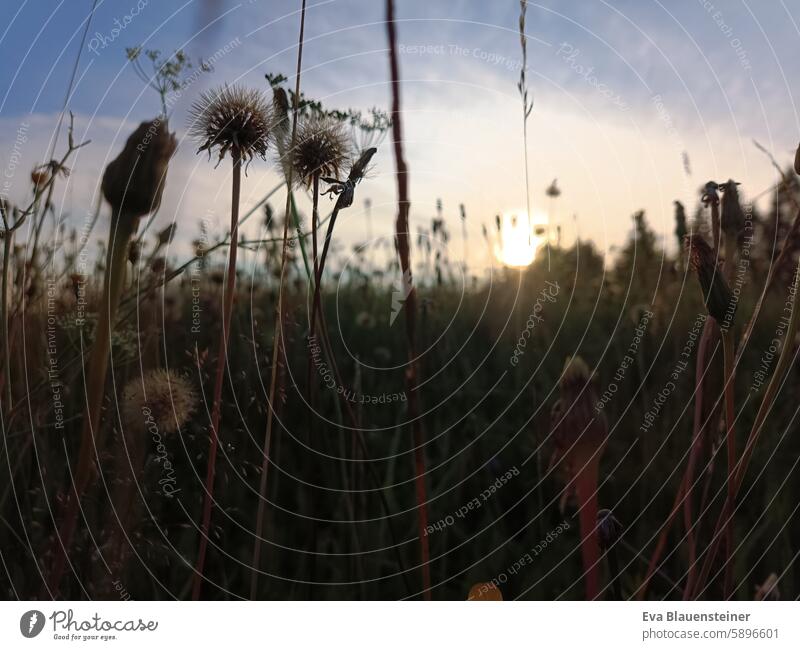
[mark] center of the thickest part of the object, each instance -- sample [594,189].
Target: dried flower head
[163,395]
[321,147]
[485,591]
[732,217]
[134,181]
[716,293]
[579,432]
[232,118]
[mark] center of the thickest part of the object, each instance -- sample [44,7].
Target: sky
[636,103]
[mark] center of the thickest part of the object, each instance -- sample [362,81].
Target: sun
[520,238]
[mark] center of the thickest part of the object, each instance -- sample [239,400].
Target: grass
[373,469]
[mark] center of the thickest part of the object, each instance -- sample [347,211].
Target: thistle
[234,121]
[321,149]
[580,437]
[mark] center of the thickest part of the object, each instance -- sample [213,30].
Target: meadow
[311,421]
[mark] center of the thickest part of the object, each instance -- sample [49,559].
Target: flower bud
[134,181]
[716,293]
[732,217]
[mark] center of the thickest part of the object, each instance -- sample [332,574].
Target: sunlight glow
[519,238]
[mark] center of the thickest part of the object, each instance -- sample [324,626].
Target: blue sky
[622,90]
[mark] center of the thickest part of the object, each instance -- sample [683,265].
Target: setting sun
[520,238]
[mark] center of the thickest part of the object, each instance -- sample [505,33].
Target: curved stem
[122,228]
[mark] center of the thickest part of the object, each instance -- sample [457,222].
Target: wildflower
[232,119]
[163,395]
[320,149]
[134,181]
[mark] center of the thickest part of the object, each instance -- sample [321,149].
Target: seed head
[134,181]
[321,147]
[232,118]
[162,394]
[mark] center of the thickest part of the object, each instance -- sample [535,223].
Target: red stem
[222,358]
[404,253]
[586,492]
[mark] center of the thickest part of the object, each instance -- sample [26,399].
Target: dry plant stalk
[277,344]
[133,184]
[404,253]
[235,121]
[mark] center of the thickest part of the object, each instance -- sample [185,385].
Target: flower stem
[222,358]
[727,347]
[586,492]
[122,228]
[785,358]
